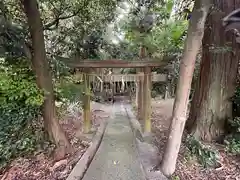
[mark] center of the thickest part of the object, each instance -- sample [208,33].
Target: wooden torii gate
[143,90]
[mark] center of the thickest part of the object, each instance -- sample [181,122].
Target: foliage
[20,105]
[206,156]
[232,141]
[166,36]
[175,177]
[81,33]
[159,88]
[166,40]
[17,85]
[236,102]
[235,125]
[233,144]
[154,93]
[67,89]
[71,28]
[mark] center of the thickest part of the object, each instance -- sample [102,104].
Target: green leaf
[170,6]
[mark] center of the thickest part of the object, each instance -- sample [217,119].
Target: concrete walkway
[116,158]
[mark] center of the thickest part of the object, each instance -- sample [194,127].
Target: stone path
[116,158]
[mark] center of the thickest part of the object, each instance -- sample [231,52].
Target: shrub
[20,105]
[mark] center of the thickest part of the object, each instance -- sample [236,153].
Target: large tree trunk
[211,105]
[192,46]
[43,74]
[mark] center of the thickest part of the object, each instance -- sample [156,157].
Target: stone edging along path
[148,154]
[81,167]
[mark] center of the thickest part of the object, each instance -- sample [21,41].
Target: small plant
[233,145]
[206,156]
[175,177]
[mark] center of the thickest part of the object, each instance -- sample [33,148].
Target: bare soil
[190,169]
[43,166]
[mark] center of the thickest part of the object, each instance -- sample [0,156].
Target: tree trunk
[43,75]
[192,46]
[211,105]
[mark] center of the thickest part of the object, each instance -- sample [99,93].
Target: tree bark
[43,75]
[192,45]
[211,105]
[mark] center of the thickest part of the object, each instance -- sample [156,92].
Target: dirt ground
[42,165]
[190,169]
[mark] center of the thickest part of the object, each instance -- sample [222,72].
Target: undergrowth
[20,106]
[22,129]
[67,92]
[232,141]
[206,156]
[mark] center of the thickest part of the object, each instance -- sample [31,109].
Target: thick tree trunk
[192,46]
[211,105]
[43,74]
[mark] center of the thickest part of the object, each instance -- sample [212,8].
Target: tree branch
[55,22]
[27,50]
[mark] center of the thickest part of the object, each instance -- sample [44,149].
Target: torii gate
[144,95]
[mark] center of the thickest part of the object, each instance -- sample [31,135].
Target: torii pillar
[146,106]
[87,124]
[140,85]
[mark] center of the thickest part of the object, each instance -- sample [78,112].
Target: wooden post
[137,89]
[167,88]
[166,91]
[86,103]
[140,96]
[147,99]
[142,54]
[114,88]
